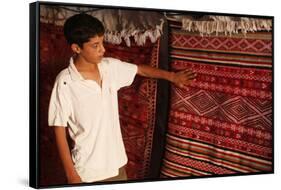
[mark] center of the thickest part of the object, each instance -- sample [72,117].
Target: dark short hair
[81,27]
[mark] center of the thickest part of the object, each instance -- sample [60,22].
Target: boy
[84,99]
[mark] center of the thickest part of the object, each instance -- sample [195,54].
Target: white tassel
[225,24]
[139,36]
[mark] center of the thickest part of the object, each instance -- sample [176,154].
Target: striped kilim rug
[222,122]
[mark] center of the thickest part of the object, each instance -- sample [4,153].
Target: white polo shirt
[91,114]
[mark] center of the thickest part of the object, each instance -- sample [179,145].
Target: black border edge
[33,95]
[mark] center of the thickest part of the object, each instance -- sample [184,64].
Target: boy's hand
[74,178]
[183,78]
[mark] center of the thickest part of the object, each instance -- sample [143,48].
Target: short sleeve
[124,73]
[59,106]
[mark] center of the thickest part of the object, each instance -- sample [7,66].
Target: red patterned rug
[137,107]
[222,122]
[137,104]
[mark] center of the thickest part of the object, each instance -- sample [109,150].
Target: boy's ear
[75,48]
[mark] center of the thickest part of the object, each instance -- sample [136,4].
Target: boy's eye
[96,45]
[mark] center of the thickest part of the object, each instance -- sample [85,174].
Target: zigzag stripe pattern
[256,46]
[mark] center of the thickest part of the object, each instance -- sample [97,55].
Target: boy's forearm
[151,72]
[64,152]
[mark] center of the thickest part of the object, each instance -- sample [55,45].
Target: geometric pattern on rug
[222,122]
[256,46]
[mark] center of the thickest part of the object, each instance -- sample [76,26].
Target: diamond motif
[243,45]
[238,109]
[192,41]
[229,44]
[202,102]
[262,105]
[259,45]
[215,43]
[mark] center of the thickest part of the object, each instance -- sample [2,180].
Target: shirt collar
[74,73]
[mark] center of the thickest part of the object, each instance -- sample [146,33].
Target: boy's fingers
[187,71]
[191,75]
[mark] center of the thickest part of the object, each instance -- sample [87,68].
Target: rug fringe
[139,36]
[226,25]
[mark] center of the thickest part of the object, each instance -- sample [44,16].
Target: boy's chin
[100,58]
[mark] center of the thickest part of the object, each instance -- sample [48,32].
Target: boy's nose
[102,49]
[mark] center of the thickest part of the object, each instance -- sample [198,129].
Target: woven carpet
[137,105]
[222,122]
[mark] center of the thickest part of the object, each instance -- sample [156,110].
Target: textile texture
[119,24]
[222,122]
[137,107]
[137,104]
[227,25]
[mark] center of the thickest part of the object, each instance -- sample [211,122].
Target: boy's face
[93,50]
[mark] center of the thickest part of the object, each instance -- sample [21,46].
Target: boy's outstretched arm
[180,78]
